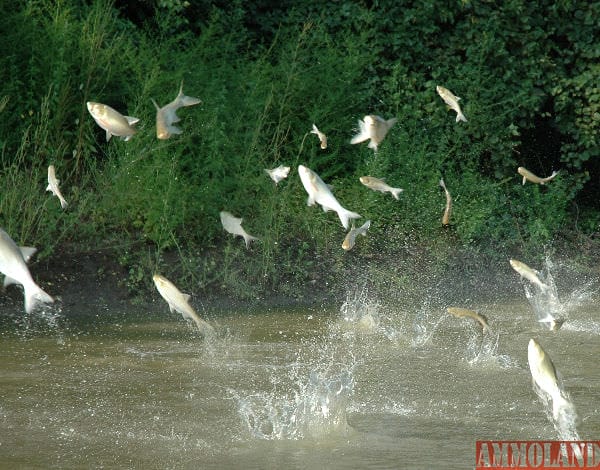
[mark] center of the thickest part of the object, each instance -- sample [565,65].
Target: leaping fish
[167,115]
[233,225]
[319,193]
[448,209]
[466,313]
[53,186]
[27,252]
[179,302]
[529,176]
[13,266]
[279,173]
[452,101]
[528,273]
[322,137]
[544,376]
[377,184]
[112,121]
[350,238]
[373,128]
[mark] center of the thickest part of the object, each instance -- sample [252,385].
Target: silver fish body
[14,267]
[466,313]
[113,122]
[279,173]
[179,302]
[528,273]
[377,184]
[544,376]
[529,176]
[167,115]
[233,225]
[319,193]
[448,208]
[373,128]
[452,101]
[322,137]
[350,238]
[53,186]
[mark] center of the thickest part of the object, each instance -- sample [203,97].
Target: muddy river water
[355,385]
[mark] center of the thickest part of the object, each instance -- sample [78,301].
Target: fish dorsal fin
[187,297]
[132,120]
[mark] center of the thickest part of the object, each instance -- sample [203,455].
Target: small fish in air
[350,238]
[13,266]
[322,137]
[279,173]
[233,225]
[528,273]
[452,101]
[167,115]
[529,176]
[320,193]
[448,209]
[466,313]
[373,128]
[179,302]
[53,186]
[377,184]
[112,121]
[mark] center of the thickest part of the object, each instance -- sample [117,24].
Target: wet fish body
[53,186]
[319,193]
[452,101]
[14,267]
[350,238]
[466,313]
[112,121]
[529,176]
[373,128]
[167,115]
[322,137]
[179,302]
[544,376]
[528,273]
[279,173]
[448,209]
[233,225]
[377,184]
[27,252]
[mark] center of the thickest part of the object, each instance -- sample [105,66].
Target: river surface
[363,384]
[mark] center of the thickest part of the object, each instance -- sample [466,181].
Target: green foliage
[265,73]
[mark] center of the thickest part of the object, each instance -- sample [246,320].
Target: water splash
[318,407]
[547,306]
[564,418]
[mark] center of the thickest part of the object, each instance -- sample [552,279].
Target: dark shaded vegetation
[265,71]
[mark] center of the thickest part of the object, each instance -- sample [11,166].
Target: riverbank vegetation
[527,75]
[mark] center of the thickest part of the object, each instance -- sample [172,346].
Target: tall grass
[159,201]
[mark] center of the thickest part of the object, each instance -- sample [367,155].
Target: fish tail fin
[396,192]
[460,117]
[345,216]
[391,122]
[314,129]
[63,203]
[33,295]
